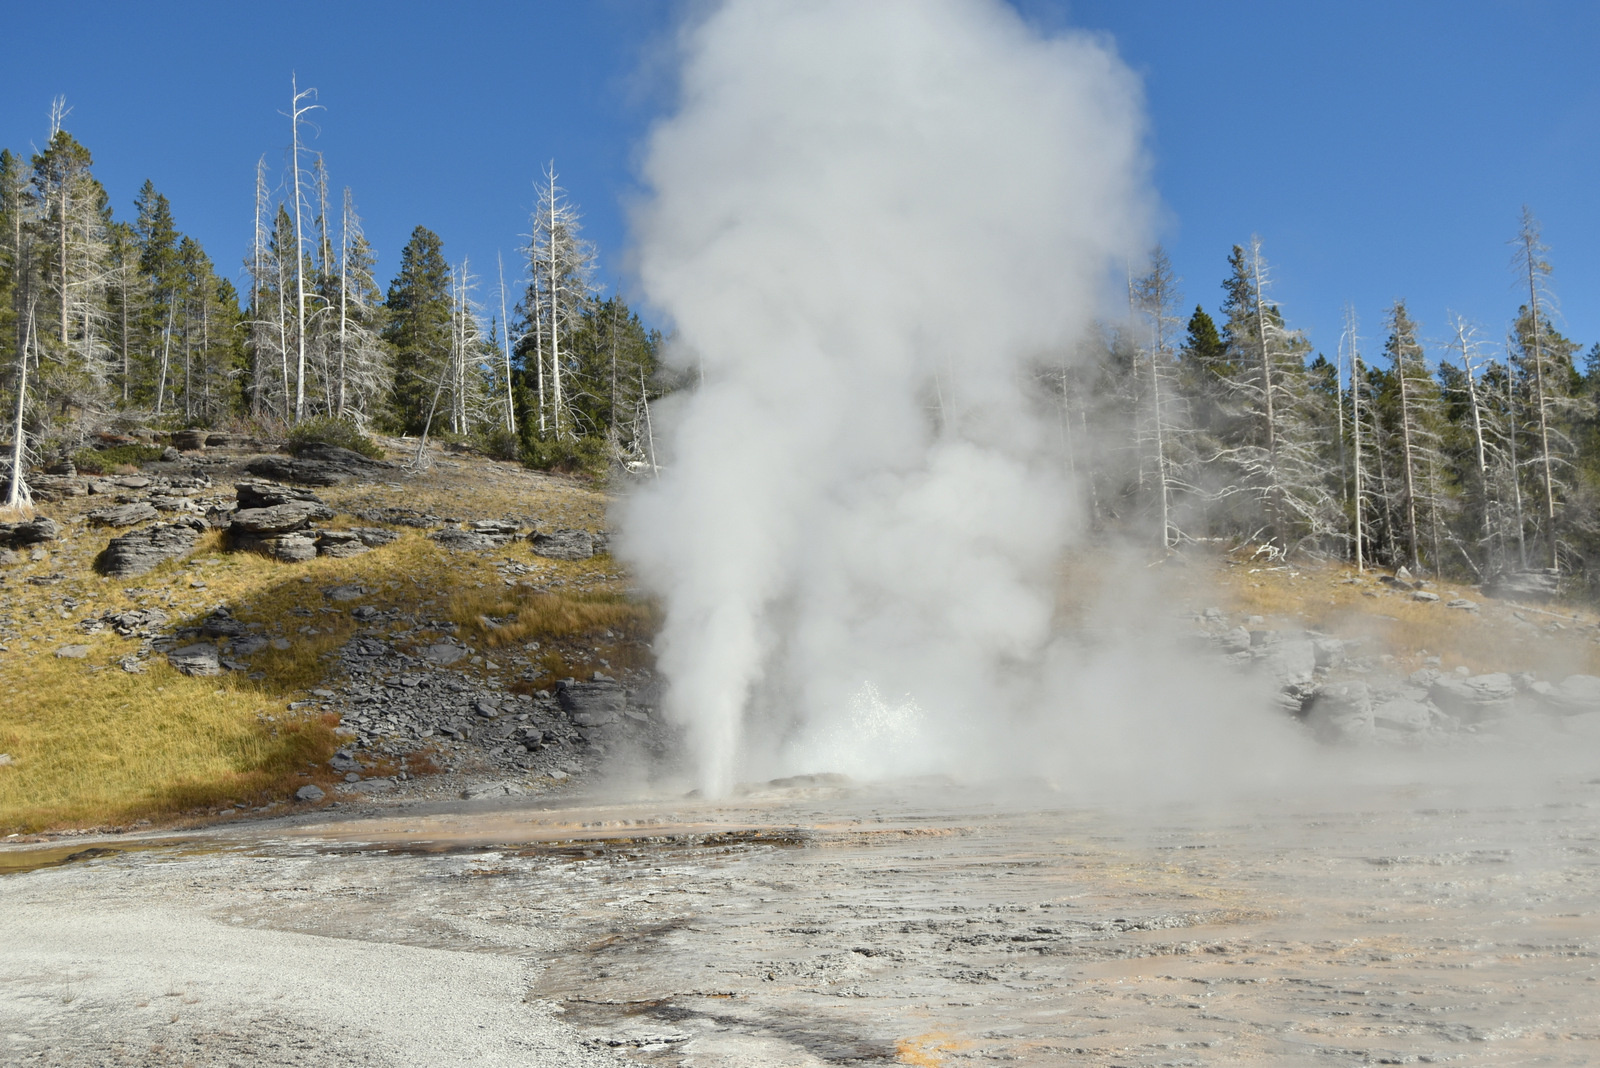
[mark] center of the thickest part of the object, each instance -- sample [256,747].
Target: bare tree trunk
[1516,474]
[1477,430]
[1355,427]
[166,357]
[295,111]
[538,355]
[17,495]
[344,303]
[123,332]
[649,430]
[62,206]
[258,270]
[555,314]
[1407,462]
[1529,239]
[505,345]
[1274,502]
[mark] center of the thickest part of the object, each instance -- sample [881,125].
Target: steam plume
[865,221]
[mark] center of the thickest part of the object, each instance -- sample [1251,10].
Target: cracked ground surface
[823,922]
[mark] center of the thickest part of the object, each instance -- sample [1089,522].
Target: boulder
[1575,695]
[591,704]
[221,624]
[563,544]
[57,487]
[247,644]
[198,659]
[1236,640]
[498,531]
[279,518]
[1341,713]
[1463,604]
[1291,662]
[1537,584]
[319,465]
[372,537]
[1329,652]
[292,548]
[141,550]
[1402,713]
[123,515]
[35,531]
[462,540]
[335,454]
[444,654]
[73,652]
[1475,698]
[309,792]
[1424,595]
[164,502]
[340,544]
[252,494]
[189,440]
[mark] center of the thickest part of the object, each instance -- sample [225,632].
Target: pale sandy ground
[826,924]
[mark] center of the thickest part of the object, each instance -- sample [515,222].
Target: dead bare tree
[1351,342]
[295,113]
[18,497]
[1531,262]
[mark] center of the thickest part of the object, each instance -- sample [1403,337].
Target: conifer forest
[1468,448]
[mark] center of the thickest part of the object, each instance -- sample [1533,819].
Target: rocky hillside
[1389,659]
[231,628]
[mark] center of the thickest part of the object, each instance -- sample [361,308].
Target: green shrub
[327,430]
[500,444]
[583,456]
[106,461]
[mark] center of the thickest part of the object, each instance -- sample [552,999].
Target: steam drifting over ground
[867,221]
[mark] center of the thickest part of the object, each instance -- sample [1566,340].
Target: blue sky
[1380,150]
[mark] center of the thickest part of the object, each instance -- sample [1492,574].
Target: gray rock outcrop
[199,659]
[319,465]
[1476,698]
[1575,695]
[563,544]
[290,516]
[36,531]
[591,704]
[139,551]
[123,515]
[1537,584]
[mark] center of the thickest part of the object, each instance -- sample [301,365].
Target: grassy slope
[1551,640]
[94,745]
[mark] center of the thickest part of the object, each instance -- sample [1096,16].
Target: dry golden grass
[1550,639]
[482,489]
[94,745]
[115,747]
[568,634]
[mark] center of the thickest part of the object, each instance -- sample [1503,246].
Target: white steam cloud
[866,222]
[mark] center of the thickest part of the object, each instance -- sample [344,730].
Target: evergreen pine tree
[418,310]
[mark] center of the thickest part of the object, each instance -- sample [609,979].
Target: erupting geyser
[867,222]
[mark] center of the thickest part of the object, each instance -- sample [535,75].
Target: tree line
[1466,455]
[101,316]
